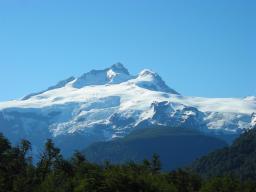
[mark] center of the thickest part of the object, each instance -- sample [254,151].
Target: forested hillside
[238,160]
[52,173]
[177,147]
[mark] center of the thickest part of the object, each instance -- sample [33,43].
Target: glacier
[105,104]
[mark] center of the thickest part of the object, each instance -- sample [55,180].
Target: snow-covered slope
[104,104]
[253,123]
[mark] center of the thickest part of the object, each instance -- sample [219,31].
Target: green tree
[155,163]
[221,184]
[50,155]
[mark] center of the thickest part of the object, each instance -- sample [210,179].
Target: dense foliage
[238,160]
[52,173]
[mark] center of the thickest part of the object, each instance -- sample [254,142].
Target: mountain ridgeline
[121,123]
[102,105]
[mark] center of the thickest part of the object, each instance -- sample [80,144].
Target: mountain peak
[150,80]
[119,68]
[147,72]
[117,73]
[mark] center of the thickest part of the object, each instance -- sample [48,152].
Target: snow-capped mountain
[104,104]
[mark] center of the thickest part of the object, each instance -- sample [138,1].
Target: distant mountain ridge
[105,104]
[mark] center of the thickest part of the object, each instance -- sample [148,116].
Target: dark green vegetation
[177,147]
[238,160]
[53,173]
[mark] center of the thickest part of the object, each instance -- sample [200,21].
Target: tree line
[53,173]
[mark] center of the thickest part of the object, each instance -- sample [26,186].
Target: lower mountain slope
[238,160]
[176,147]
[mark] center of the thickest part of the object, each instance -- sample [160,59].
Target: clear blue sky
[200,47]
